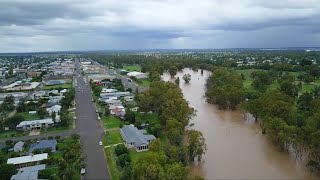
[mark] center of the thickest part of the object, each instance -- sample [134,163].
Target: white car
[83,171]
[100,143]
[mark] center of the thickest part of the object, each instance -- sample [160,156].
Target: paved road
[91,133]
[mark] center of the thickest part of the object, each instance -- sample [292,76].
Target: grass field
[28,116]
[111,161]
[64,86]
[112,137]
[7,134]
[135,155]
[144,82]
[132,68]
[248,80]
[111,122]
[143,118]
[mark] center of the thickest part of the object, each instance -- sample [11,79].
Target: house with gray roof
[28,173]
[43,145]
[135,138]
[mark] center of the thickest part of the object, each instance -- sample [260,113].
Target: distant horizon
[163,49]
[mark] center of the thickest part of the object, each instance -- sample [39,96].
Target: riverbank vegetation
[281,89]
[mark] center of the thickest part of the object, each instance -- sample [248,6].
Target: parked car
[83,171]
[100,143]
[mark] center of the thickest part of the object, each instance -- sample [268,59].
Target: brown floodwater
[236,147]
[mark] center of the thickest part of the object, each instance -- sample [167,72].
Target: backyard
[132,68]
[110,122]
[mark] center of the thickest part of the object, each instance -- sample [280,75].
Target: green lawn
[8,134]
[28,116]
[144,82]
[111,161]
[64,86]
[135,155]
[112,137]
[143,118]
[111,122]
[132,68]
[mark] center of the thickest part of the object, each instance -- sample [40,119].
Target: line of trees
[169,156]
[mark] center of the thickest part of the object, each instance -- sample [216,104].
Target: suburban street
[90,131]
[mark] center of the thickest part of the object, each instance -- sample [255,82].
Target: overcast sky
[55,25]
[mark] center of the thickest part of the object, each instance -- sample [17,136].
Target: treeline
[175,146]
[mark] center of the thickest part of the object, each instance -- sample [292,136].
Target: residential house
[43,145]
[134,138]
[24,161]
[28,173]
[35,124]
[118,111]
[18,147]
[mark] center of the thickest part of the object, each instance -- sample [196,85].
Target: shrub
[9,142]
[120,149]
[57,137]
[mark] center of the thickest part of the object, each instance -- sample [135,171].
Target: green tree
[154,76]
[13,121]
[21,107]
[53,116]
[42,113]
[7,170]
[120,149]
[173,71]
[8,103]
[288,86]
[124,160]
[149,166]
[187,78]
[225,88]
[304,101]
[177,81]
[174,171]
[196,145]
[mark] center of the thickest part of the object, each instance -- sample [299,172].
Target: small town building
[24,161]
[28,173]
[55,82]
[35,124]
[134,138]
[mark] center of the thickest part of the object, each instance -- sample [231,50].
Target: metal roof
[27,159]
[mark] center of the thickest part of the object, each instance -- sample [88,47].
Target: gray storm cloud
[37,25]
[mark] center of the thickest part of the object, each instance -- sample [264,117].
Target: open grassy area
[111,122]
[28,116]
[112,137]
[63,86]
[132,68]
[111,161]
[144,82]
[145,117]
[135,155]
[8,134]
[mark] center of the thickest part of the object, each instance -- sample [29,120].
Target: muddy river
[236,147]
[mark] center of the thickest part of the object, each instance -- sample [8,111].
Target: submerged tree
[197,145]
[177,81]
[187,78]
